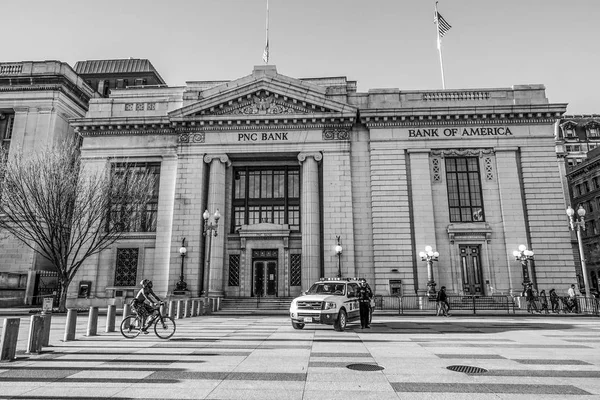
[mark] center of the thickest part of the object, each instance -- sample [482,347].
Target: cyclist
[144,301]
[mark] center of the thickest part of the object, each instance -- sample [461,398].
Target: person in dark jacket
[543,301]
[364,294]
[442,302]
[554,301]
[530,298]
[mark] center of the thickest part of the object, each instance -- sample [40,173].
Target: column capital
[316,155]
[208,158]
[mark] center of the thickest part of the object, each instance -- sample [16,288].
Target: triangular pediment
[264,95]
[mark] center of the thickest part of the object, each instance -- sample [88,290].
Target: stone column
[309,214]
[216,200]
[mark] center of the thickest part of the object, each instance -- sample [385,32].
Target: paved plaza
[263,357]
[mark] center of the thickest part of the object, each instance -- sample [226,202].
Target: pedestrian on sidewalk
[554,301]
[572,300]
[442,302]
[544,301]
[530,298]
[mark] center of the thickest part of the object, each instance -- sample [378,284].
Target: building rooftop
[118,66]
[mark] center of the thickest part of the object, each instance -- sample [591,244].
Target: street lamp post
[524,255]
[429,256]
[181,287]
[210,230]
[578,224]
[338,251]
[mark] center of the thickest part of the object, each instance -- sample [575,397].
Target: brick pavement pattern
[401,357]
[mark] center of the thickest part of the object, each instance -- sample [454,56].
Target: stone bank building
[294,165]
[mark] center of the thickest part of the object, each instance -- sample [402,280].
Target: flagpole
[266,52]
[439,45]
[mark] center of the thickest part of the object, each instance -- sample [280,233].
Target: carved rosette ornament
[191,137]
[336,134]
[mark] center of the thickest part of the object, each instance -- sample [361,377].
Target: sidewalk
[246,358]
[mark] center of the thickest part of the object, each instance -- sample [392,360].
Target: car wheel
[297,325]
[341,322]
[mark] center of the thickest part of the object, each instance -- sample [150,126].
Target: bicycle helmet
[145,282]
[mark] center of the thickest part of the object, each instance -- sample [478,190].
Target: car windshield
[327,288]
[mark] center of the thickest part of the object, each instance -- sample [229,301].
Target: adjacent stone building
[37,100]
[578,149]
[293,164]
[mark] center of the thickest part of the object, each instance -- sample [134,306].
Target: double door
[264,278]
[470,263]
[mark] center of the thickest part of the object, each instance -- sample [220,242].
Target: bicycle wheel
[164,329]
[131,327]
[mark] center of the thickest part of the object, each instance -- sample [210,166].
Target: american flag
[443,25]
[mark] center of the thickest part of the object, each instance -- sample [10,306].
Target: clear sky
[378,43]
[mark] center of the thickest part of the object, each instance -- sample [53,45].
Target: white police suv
[330,301]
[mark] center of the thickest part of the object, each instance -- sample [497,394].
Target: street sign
[47,305]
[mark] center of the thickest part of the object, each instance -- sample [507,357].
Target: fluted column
[216,200]
[310,216]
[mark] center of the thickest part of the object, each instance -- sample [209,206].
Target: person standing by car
[364,295]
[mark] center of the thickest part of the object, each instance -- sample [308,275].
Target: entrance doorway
[264,273]
[470,263]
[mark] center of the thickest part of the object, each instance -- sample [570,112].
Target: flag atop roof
[443,25]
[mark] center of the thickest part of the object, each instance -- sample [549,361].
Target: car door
[352,302]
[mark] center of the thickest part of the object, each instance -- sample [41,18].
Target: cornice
[450,120]
[46,83]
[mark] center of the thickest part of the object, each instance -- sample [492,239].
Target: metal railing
[582,305]
[464,303]
[475,304]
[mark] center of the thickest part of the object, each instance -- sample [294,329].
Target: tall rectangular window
[465,198]
[145,218]
[263,194]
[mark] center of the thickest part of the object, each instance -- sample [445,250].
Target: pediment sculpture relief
[263,103]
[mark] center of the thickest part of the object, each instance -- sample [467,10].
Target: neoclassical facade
[296,166]
[292,165]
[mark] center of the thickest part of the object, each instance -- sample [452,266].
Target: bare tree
[65,212]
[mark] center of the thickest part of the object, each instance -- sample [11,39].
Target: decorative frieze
[461,152]
[263,103]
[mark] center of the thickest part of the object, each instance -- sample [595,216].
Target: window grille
[463,181]
[126,268]
[295,269]
[266,195]
[234,270]
[435,169]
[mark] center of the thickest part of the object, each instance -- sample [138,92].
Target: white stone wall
[190,200]
[338,213]
[548,223]
[392,236]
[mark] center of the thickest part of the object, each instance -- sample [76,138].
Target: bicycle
[164,326]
